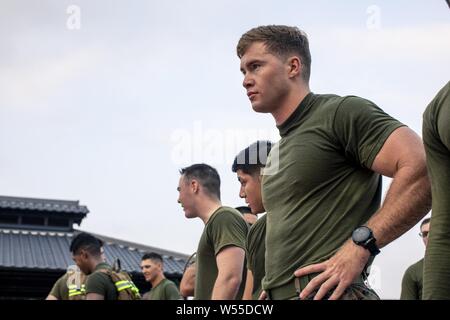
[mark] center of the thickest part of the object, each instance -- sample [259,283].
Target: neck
[294,98]
[95,263]
[157,280]
[207,207]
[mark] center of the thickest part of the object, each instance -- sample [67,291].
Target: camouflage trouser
[358,290]
[355,291]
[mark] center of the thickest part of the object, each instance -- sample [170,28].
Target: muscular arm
[230,263]
[187,284]
[402,157]
[409,196]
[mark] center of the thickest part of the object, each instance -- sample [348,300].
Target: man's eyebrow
[250,62]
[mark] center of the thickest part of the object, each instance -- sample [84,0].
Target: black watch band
[363,236]
[372,247]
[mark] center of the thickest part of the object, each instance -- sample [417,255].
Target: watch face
[361,234]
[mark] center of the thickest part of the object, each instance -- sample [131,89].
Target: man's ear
[84,254]
[195,186]
[260,176]
[294,65]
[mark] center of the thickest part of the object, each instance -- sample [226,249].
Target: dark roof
[46,205]
[46,250]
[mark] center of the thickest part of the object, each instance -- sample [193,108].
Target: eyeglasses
[424,234]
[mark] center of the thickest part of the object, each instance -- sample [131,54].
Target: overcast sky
[104,101]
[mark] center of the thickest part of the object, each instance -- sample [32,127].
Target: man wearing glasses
[412,282]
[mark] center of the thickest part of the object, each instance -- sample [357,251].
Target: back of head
[247,214]
[424,222]
[244,210]
[282,41]
[253,158]
[86,241]
[207,177]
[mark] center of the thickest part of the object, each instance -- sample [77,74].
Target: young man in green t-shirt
[324,220]
[187,283]
[436,136]
[87,254]
[162,288]
[221,249]
[248,166]
[412,282]
[72,284]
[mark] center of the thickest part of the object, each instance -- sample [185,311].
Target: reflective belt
[135,289]
[124,284]
[75,291]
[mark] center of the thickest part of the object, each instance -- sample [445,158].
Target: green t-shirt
[101,283]
[60,290]
[165,290]
[256,250]
[226,227]
[412,282]
[76,280]
[436,138]
[324,187]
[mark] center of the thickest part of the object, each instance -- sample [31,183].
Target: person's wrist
[363,237]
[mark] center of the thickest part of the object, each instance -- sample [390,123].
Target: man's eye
[255,66]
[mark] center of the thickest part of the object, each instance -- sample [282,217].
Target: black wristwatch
[363,236]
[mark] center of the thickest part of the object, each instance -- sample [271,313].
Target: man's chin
[189,215]
[258,108]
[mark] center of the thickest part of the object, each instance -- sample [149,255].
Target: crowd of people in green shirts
[320,188]
[94,279]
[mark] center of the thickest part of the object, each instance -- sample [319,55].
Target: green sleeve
[443,122]
[98,282]
[251,245]
[171,292]
[57,290]
[228,229]
[361,129]
[409,286]
[248,256]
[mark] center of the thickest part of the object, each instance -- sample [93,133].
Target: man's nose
[242,193]
[248,81]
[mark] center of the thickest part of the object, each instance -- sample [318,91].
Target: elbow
[422,184]
[187,287]
[422,168]
[186,291]
[234,281]
[423,177]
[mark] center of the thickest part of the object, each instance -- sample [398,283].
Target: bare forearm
[248,286]
[187,285]
[226,288]
[407,201]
